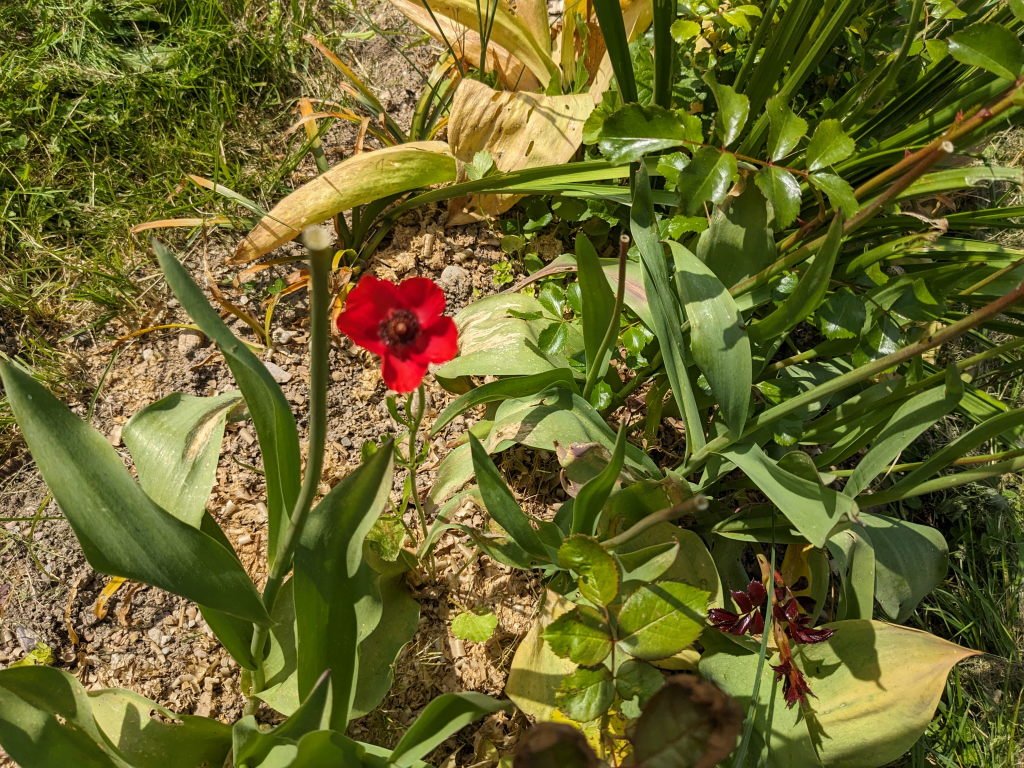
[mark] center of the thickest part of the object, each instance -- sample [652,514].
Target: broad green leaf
[782,191]
[785,129]
[121,530]
[502,505]
[1017,6]
[598,572]
[581,635]
[732,112]
[840,193]
[441,718]
[738,243]
[358,180]
[271,414]
[659,620]
[876,688]
[685,29]
[536,670]
[635,679]
[175,444]
[475,627]
[911,419]
[331,581]
[667,552]
[278,747]
[633,131]
[718,341]
[586,510]
[809,293]
[586,694]
[842,315]
[689,723]
[598,305]
[666,310]
[322,748]
[281,689]
[991,47]
[814,509]
[910,561]
[854,560]
[829,145]
[707,179]
[49,719]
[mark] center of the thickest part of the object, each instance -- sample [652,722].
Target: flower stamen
[399,328]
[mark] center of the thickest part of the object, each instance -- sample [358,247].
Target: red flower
[403,324]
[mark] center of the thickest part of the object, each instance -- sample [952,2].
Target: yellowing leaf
[519,130]
[536,669]
[356,181]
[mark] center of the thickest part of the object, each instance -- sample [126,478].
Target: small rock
[283,336]
[229,509]
[154,634]
[148,355]
[189,341]
[246,436]
[280,375]
[346,443]
[244,539]
[461,257]
[114,438]
[455,279]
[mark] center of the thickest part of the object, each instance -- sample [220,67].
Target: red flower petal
[362,325]
[423,297]
[403,374]
[441,340]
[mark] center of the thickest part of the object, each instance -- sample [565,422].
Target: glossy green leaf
[706,179]
[659,620]
[441,718]
[598,305]
[637,680]
[581,635]
[876,688]
[854,560]
[829,145]
[738,243]
[991,47]
[475,627]
[598,572]
[586,694]
[613,30]
[49,719]
[175,444]
[841,316]
[494,391]
[809,293]
[271,414]
[732,110]
[331,580]
[718,341]
[813,508]
[121,530]
[910,561]
[684,30]
[782,191]
[785,129]
[840,193]
[322,748]
[586,510]
[633,131]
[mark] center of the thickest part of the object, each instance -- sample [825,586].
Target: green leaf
[581,635]
[876,688]
[441,718]
[854,560]
[659,620]
[911,419]
[718,340]
[782,191]
[814,509]
[707,178]
[633,131]
[586,694]
[828,146]
[635,679]
[49,719]
[738,243]
[809,291]
[1017,6]
[502,389]
[910,561]
[322,748]
[271,414]
[840,193]
[598,305]
[991,47]
[175,444]
[586,509]
[733,109]
[685,29]
[502,505]
[256,747]
[121,530]
[475,627]
[536,670]
[598,572]
[613,30]
[842,315]
[689,723]
[785,129]
[331,582]
[666,311]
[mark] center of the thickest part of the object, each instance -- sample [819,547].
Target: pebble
[189,341]
[246,436]
[229,509]
[148,355]
[461,257]
[114,438]
[154,634]
[455,279]
[244,540]
[346,442]
[337,376]
[279,374]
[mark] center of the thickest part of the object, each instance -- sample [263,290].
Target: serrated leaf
[635,679]
[581,635]
[659,620]
[782,191]
[840,193]
[475,627]
[597,569]
[707,178]
[785,128]
[828,146]
[991,47]
[586,694]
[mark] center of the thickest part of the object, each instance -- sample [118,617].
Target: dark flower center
[400,327]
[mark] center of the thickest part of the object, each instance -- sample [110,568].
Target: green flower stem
[696,503]
[319,346]
[415,420]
